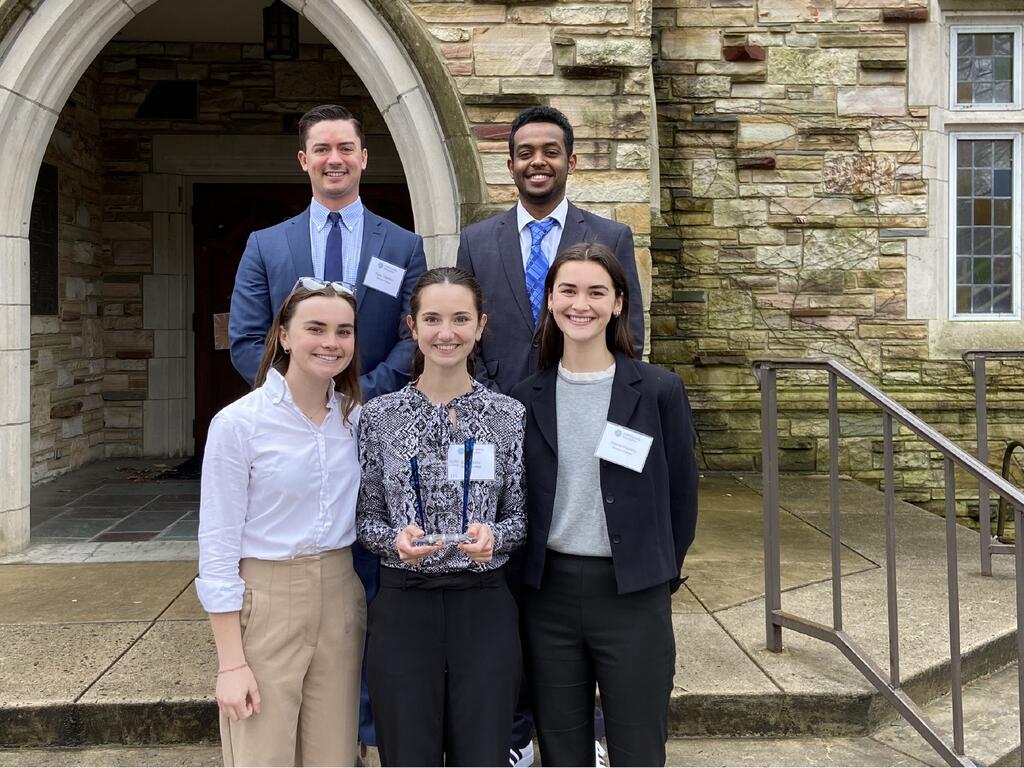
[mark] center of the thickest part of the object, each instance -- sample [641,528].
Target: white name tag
[625,447]
[483,462]
[384,277]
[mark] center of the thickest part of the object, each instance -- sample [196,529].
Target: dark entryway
[223,215]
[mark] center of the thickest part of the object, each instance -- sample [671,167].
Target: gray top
[578,525]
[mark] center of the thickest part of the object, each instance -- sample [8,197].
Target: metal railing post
[770,481]
[1018,558]
[984,507]
[953,593]
[890,554]
[833,501]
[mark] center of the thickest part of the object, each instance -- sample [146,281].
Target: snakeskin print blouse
[395,427]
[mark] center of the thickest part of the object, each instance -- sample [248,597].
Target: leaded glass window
[984,226]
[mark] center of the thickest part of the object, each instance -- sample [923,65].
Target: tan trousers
[303,623]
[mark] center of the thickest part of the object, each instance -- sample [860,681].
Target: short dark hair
[328,112]
[541,115]
[616,334]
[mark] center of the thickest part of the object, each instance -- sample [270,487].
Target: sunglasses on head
[315,284]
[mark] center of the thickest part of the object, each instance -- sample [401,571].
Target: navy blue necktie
[537,265]
[334,261]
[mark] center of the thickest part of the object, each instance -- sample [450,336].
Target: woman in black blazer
[612,507]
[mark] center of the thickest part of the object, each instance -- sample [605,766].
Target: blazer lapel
[373,243]
[511,256]
[544,406]
[576,230]
[297,235]
[625,395]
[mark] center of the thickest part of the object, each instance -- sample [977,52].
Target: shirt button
[609,499]
[536,344]
[616,539]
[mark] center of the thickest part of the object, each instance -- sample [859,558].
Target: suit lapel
[373,243]
[625,395]
[544,406]
[511,255]
[297,235]
[576,230]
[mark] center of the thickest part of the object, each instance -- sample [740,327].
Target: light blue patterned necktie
[537,265]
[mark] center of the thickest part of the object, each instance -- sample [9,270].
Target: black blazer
[490,251]
[651,515]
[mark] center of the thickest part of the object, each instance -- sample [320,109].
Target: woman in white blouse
[277,518]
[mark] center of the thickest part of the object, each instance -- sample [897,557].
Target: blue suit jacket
[276,257]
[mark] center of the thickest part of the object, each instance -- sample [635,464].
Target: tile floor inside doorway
[116,501]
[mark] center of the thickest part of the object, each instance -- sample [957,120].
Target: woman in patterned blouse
[442,503]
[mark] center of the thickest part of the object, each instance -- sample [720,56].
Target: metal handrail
[889,685]
[990,545]
[1001,515]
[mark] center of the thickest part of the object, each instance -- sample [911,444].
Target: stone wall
[590,60]
[791,173]
[67,351]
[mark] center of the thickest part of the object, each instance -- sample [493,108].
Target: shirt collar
[561,211]
[277,388]
[476,392]
[350,214]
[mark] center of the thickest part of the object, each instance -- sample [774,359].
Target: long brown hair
[616,334]
[444,276]
[274,356]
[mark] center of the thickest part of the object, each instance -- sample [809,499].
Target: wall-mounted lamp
[280,32]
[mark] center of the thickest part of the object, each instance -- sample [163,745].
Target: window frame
[955,136]
[957,29]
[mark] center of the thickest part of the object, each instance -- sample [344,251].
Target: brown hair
[274,356]
[616,334]
[328,112]
[444,276]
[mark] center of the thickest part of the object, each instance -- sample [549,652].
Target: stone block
[495,168]
[306,79]
[701,86]
[841,249]
[460,13]
[590,15]
[799,66]
[15,441]
[612,52]
[788,11]
[609,187]
[855,173]
[691,43]
[730,309]
[874,101]
[740,212]
[715,17]
[632,155]
[511,50]
[15,328]
[713,178]
[762,134]
[744,53]
[450,34]
[621,118]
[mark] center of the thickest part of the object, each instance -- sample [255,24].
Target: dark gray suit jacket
[490,251]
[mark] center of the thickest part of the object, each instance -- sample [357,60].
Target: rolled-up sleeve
[223,501]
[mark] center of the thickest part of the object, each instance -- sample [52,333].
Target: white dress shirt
[351,225]
[275,486]
[549,245]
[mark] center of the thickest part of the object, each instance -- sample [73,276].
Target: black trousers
[443,668]
[578,632]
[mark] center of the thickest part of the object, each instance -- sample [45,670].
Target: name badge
[625,447]
[483,462]
[384,277]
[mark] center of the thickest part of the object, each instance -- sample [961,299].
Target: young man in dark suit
[335,239]
[509,255]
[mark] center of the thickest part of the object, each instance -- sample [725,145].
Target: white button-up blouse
[275,486]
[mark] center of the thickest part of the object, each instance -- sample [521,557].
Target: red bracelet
[243,665]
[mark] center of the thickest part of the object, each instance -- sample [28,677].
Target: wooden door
[223,216]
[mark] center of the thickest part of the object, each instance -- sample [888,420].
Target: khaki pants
[303,623]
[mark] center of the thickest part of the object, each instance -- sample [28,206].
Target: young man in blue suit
[334,239]
[509,255]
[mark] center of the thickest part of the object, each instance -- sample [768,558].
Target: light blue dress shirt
[351,238]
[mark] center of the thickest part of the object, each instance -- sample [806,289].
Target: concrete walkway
[94,652]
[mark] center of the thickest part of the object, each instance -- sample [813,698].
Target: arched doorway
[46,53]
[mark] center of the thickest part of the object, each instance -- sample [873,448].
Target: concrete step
[121,652]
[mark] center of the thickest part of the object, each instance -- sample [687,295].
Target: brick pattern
[791,173]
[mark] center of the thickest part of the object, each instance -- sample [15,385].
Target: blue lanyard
[467,473]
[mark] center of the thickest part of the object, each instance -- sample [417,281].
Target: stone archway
[47,47]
